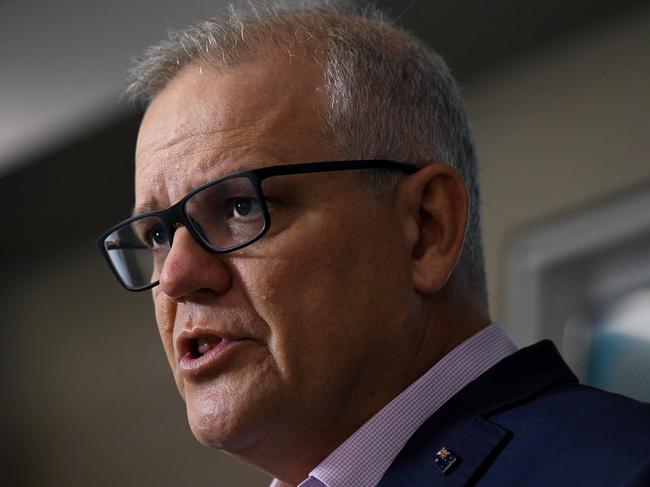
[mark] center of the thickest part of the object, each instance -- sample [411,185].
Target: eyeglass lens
[223,215]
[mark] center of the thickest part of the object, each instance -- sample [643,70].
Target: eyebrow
[151,205]
[146,207]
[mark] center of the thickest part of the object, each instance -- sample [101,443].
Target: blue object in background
[619,355]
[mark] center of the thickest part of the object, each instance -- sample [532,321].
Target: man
[307,219]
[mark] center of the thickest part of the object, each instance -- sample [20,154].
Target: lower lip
[211,360]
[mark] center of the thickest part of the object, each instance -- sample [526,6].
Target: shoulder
[527,421]
[573,432]
[574,414]
[580,404]
[576,433]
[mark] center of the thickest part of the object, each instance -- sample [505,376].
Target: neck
[447,320]
[292,456]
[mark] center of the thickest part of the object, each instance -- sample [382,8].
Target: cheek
[318,292]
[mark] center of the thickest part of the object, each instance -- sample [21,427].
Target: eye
[244,208]
[157,237]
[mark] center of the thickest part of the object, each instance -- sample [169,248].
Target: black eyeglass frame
[176,214]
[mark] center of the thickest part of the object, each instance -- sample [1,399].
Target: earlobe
[437,206]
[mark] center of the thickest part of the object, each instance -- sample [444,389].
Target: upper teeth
[205,344]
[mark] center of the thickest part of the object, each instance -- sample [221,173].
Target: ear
[437,204]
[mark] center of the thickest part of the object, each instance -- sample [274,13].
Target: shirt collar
[364,457]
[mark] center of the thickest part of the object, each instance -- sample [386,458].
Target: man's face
[304,333]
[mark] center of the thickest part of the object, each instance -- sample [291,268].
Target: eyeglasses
[222,215]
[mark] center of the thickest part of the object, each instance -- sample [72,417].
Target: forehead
[206,123]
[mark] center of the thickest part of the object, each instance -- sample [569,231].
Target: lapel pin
[445,459]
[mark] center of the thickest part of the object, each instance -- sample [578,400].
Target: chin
[207,436]
[210,424]
[231,412]
[220,426]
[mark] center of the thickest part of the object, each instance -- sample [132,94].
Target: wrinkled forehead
[218,121]
[272,94]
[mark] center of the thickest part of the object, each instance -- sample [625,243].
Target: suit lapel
[467,436]
[462,425]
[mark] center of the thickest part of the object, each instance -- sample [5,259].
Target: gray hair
[389,96]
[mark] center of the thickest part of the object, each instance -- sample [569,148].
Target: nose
[190,271]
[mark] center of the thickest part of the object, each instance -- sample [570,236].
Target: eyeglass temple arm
[119,245]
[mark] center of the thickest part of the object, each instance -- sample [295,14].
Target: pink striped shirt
[363,458]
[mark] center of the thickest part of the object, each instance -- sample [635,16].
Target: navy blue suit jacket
[527,422]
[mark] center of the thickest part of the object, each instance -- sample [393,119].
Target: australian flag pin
[445,460]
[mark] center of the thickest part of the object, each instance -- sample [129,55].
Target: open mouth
[201,354]
[201,346]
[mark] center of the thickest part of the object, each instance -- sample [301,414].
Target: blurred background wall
[559,95]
